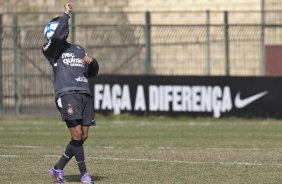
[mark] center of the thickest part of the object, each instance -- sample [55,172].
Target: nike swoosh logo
[241,103]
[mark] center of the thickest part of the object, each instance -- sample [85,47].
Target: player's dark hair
[55,19]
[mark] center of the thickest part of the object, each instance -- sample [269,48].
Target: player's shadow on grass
[76,178]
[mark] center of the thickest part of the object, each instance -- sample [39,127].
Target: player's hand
[68,8]
[87,60]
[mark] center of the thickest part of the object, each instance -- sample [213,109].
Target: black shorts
[76,108]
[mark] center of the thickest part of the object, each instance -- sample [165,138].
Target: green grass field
[128,149]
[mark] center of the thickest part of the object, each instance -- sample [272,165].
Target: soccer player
[71,68]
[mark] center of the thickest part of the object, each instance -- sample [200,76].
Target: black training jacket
[66,59]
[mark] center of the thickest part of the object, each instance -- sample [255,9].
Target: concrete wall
[130,5]
[189,11]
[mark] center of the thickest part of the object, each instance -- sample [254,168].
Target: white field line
[8,156]
[140,147]
[173,161]
[156,160]
[19,146]
[199,124]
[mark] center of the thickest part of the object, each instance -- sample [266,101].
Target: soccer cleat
[58,175]
[86,179]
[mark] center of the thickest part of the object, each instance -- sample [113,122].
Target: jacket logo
[70,60]
[81,79]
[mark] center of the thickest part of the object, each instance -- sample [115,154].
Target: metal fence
[136,43]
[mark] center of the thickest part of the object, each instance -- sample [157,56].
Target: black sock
[77,148]
[66,157]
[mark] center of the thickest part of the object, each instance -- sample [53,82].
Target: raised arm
[53,47]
